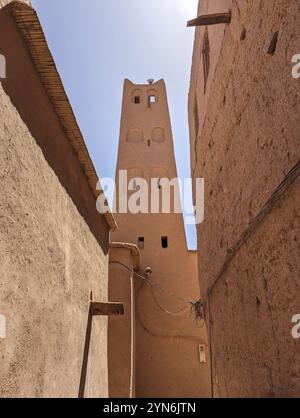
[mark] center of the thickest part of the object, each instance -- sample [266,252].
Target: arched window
[158,135]
[152,97]
[137,96]
[135,135]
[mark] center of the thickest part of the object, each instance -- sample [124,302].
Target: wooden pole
[95,309]
[213,19]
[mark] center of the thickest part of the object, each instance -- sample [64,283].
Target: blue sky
[98,43]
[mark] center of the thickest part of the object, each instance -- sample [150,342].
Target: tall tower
[168,345]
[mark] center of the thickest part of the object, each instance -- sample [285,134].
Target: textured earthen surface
[248,140]
[27,92]
[50,262]
[121,329]
[252,307]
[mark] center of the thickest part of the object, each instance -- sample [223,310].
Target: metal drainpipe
[132,337]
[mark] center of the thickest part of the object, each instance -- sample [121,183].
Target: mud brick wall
[245,131]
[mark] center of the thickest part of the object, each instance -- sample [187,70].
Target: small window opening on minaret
[164,242]
[159,184]
[206,58]
[141,243]
[137,96]
[152,97]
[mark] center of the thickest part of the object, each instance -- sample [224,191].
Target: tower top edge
[147,84]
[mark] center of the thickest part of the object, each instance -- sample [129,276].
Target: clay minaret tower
[167,346]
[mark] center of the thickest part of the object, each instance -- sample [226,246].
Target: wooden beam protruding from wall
[212,19]
[95,309]
[106,309]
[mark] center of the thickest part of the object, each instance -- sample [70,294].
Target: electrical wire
[176,313]
[155,334]
[197,307]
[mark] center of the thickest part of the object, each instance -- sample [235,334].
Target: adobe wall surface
[168,362]
[121,329]
[252,307]
[27,93]
[248,140]
[50,262]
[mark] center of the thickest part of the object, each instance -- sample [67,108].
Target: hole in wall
[206,58]
[164,242]
[272,43]
[141,243]
[243,34]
